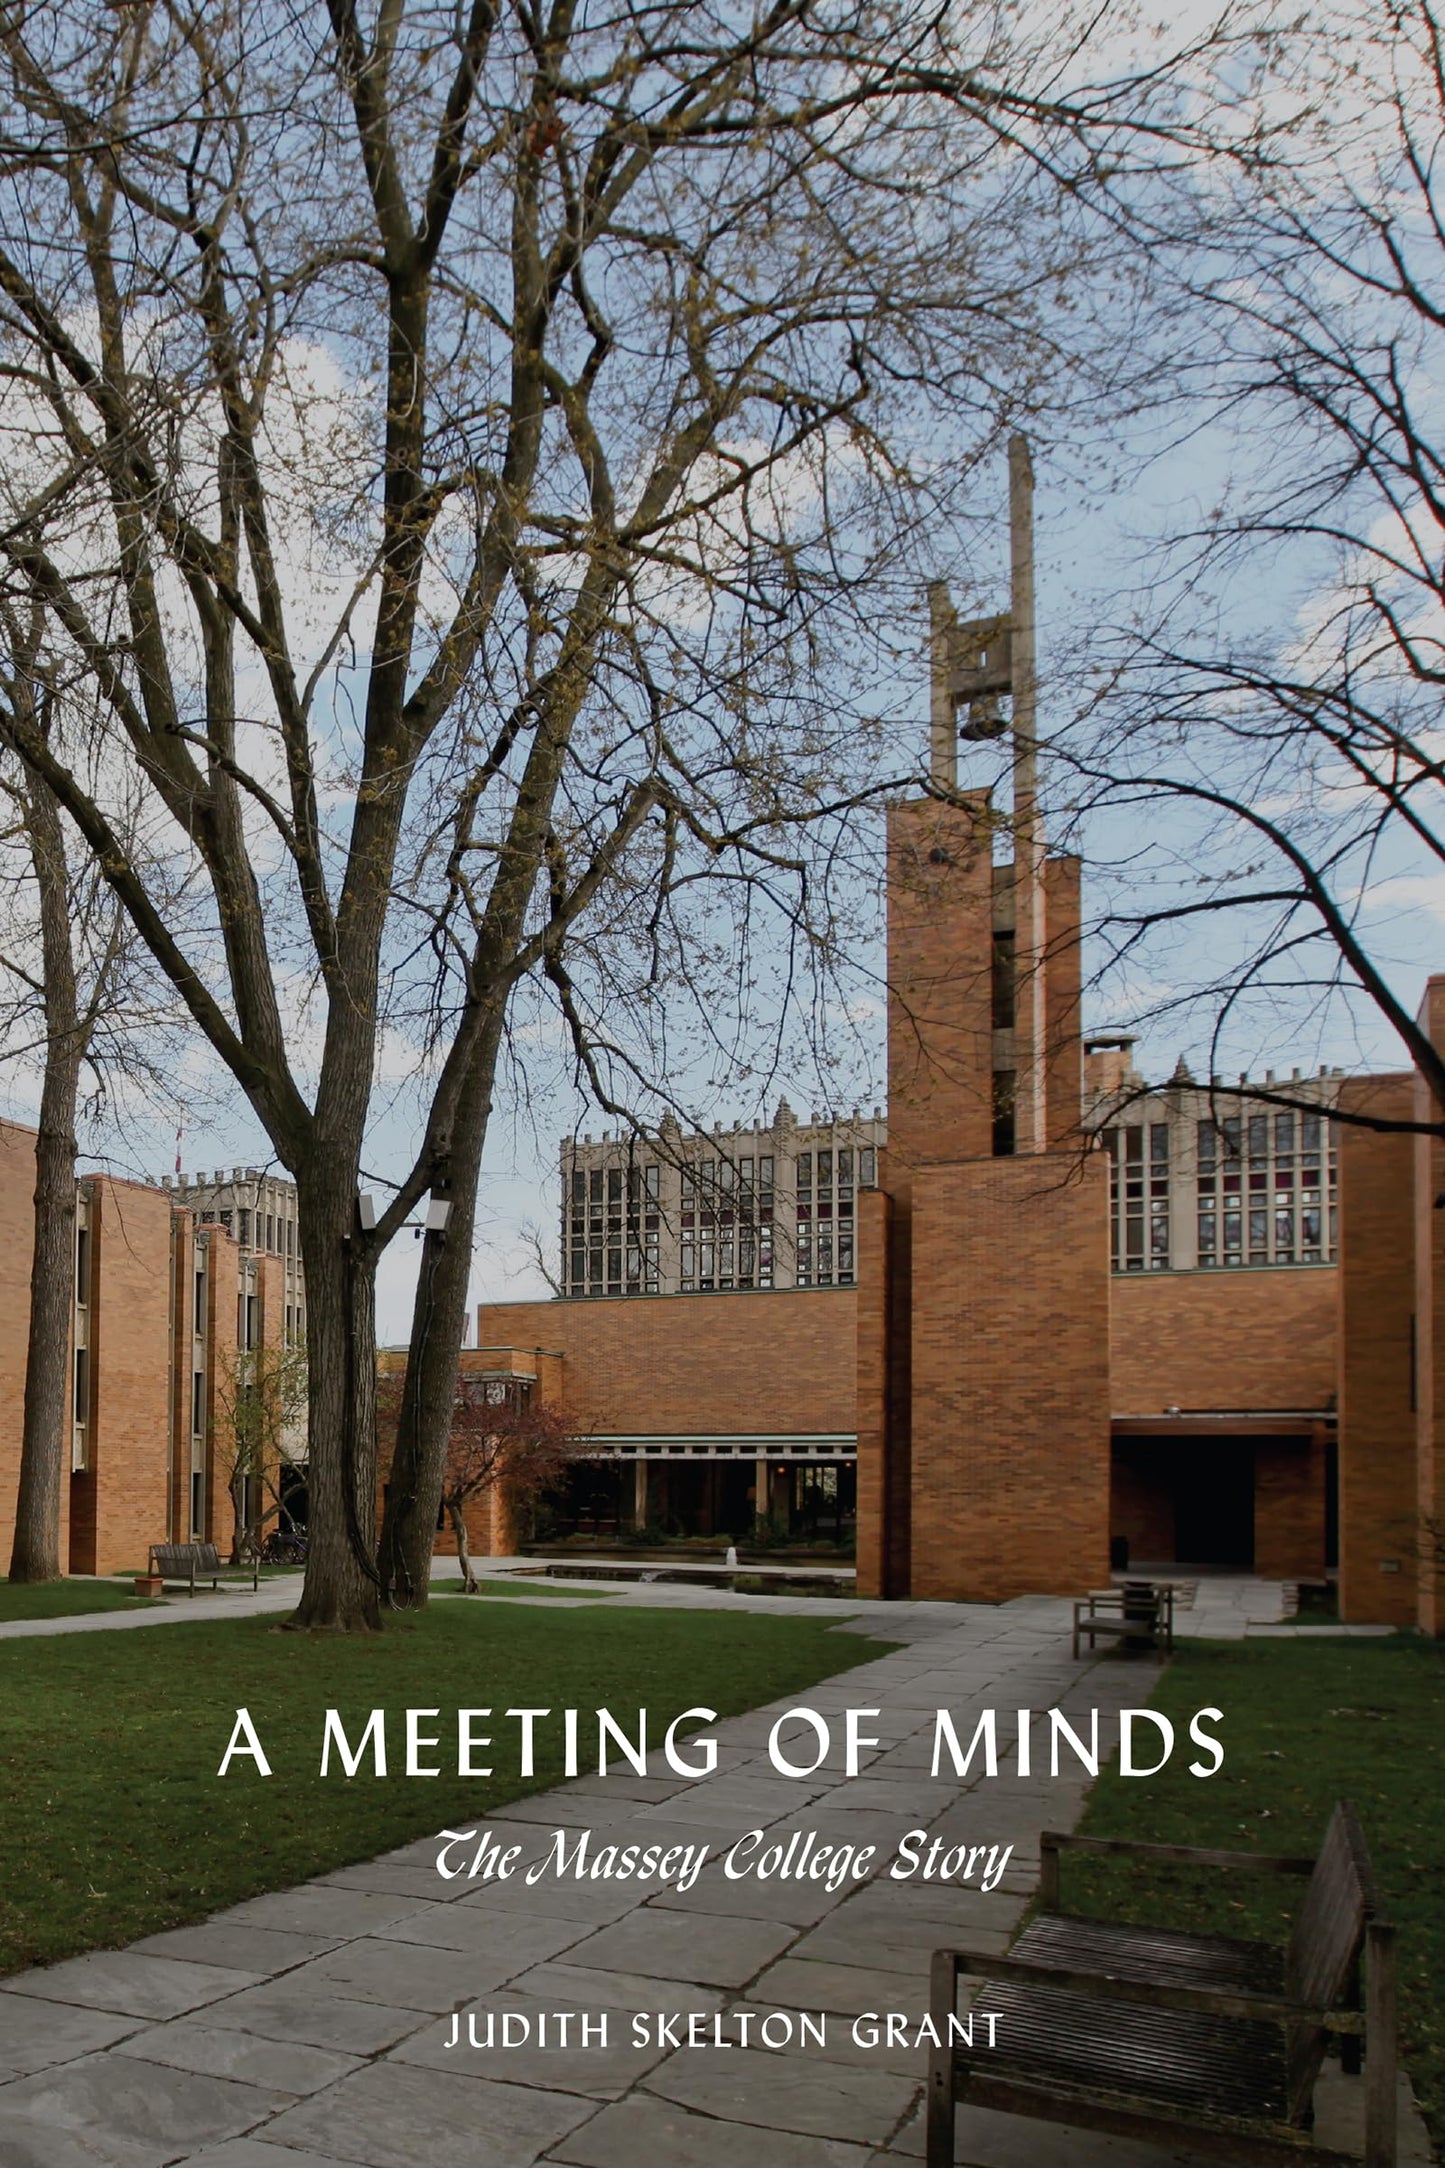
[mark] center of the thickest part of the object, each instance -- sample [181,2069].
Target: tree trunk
[414,1490]
[35,1555]
[238,1518]
[457,1516]
[341,1592]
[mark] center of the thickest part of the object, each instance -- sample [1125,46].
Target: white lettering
[335,1735]
[244,1739]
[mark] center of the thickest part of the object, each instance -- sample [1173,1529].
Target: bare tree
[1268,725]
[469,455]
[262,1403]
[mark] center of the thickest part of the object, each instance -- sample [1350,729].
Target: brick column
[1430,1336]
[1378,1480]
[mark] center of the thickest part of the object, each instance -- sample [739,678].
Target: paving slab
[677,1946]
[315,1908]
[655,2131]
[259,1950]
[872,1948]
[800,1904]
[26,2143]
[403,1975]
[288,2012]
[565,1809]
[395,1878]
[35,2034]
[392,2115]
[514,1939]
[580,1987]
[254,2153]
[847,1990]
[282,2066]
[135,2115]
[590,1903]
[776,2092]
[130,1983]
[946,1905]
[648,1790]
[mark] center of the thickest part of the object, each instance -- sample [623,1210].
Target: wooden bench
[190,1562]
[1180,2040]
[1139,1612]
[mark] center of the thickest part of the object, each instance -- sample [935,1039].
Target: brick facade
[1250,1339]
[1290,1507]
[1429,1317]
[690,1364]
[1377,1463]
[17,1193]
[118,1506]
[878,1511]
[940,981]
[1010,1434]
[128,1456]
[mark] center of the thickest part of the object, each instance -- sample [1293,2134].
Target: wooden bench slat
[1153,1955]
[1189,2061]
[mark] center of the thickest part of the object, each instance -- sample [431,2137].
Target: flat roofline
[1212,1422]
[725,1437]
[673,1294]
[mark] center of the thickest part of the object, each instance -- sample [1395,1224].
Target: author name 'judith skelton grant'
[712,2029]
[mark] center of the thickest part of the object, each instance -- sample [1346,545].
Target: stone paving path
[309,2027]
[1223,1607]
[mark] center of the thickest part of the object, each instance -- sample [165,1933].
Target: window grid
[1267,1191]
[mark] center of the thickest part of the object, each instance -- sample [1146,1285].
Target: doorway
[1214,1504]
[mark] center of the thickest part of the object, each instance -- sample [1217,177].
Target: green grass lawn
[65,1599]
[1305,1723]
[114,1824]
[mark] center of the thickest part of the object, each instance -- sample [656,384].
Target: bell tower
[983,1273]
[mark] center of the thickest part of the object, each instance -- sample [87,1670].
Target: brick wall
[1010,1377]
[873,1233]
[1141,1502]
[1261,1339]
[1430,1336]
[1377,1478]
[183,1265]
[1289,1508]
[1063,1014]
[940,980]
[124,1496]
[17,1193]
[783,1361]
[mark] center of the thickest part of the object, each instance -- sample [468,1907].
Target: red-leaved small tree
[501,1433]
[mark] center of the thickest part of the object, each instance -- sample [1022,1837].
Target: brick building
[166,1303]
[1079,1319]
